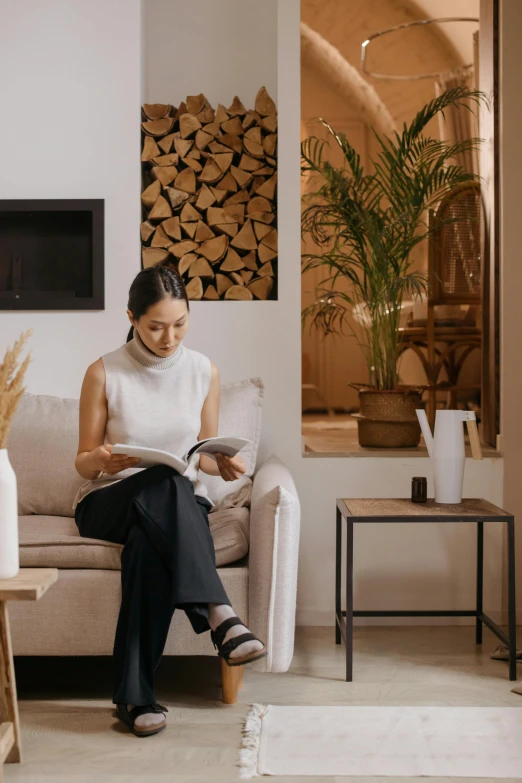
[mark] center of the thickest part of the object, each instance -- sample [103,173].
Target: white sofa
[255,527]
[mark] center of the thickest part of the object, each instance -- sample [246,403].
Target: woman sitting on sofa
[154,391]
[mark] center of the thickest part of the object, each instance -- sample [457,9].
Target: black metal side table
[366,510]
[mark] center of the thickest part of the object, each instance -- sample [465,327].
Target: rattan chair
[454,267]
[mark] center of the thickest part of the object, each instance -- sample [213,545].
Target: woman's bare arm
[93,418]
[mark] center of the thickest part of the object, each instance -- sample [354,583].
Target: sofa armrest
[274,547]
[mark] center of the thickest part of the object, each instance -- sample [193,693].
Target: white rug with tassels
[473,742]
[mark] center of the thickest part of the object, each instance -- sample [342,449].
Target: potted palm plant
[366,227]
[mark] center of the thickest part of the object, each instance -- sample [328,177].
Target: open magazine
[149,457]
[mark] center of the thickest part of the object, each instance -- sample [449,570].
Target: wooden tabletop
[28,585]
[404,507]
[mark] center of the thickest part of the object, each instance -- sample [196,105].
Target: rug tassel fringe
[249,752]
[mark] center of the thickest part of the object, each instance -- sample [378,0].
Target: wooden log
[186,261]
[205,198]
[203,139]
[185,246]
[182,109]
[262,217]
[243,178]
[182,146]
[245,239]
[221,115]
[271,161]
[189,229]
[200,267]
[223,160]
[270,123]
[171,159]
[165,174]
[230,229]
[194,153]
[266,270]
[248,163]
[265,254]
[259,204]
[218,216]
[261,230]
[219,194]
[146,230]
[210,293]
[246,274]
[270,143]
[186,180]
[231,126]
[268,188]
[228,183]
[223,283]
[172,227]
[176,197]
[254,134]
[151,256]
[211,172]
[150,194]
[203,232]
[236,107]
[239,197]
[249,119]
[188,125]
[270,239]
[237,278]
[206,115]
[156,111]
[160,210]
[232,262]
[194,289]
[261,287]
[166,142]
[189,213]
[195,103]
[237,211]
[217,147]
[214,249]
[266,171]
[232,141]
[256,184]
[238,292]
[160,239]
[264,104]
[195,165]
[250,260]
[158,127]
[253,148]
[150,149]
[212,128]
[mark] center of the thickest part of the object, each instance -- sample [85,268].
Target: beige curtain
[459,123]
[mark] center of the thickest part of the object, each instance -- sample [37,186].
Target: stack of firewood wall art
[209,195]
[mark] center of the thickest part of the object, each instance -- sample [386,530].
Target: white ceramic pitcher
[446,449]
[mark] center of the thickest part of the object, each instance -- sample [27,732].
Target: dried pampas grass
[11,388]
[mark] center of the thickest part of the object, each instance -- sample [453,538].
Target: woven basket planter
[387,419]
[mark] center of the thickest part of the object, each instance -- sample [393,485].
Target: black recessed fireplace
[51,254]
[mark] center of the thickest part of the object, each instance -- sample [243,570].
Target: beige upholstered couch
[255,527]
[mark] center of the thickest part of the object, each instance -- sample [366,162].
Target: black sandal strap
[234,642]
[220,632]
[144,708]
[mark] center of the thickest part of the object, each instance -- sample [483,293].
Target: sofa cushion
[54,541]
[43,444]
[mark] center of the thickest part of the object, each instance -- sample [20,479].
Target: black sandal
[129,716]
[224,650]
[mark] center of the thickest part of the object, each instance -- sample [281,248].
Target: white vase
[9,556]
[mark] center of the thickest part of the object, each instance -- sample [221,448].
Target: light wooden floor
[69,733]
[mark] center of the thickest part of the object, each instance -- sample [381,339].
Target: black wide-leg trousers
[167,562]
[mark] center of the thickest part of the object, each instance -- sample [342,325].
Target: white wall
[82,60]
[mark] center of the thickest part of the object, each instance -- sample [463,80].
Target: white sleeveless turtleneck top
[153,401]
